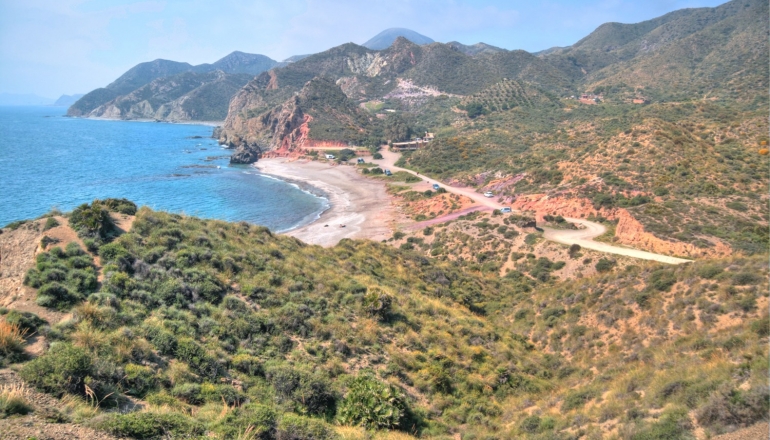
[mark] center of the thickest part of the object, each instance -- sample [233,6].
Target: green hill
[223,329]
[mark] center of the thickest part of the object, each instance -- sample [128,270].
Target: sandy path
[359,203]
[583,237]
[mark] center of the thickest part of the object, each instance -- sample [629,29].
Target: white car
[488,194]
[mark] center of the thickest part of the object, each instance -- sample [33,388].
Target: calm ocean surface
[48,160]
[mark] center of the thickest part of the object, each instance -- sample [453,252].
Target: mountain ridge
[385,39]
[95,102]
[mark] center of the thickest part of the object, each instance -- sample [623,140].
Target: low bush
[25,320]
[50,223]
[62,370]
[295,427]
[735,408]
[373,405]
[149,425]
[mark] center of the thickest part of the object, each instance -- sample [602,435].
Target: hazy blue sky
[51,47]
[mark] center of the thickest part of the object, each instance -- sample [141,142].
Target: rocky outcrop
[286,128]
[246,153]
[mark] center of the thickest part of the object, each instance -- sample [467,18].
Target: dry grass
[358,433]
[14,399]
[11,337]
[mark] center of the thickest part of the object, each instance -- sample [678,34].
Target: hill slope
[222,328]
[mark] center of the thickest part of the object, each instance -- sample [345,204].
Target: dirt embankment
[628,230]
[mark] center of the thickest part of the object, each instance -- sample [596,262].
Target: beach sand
[362,205]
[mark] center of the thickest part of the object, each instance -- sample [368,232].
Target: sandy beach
[362,205]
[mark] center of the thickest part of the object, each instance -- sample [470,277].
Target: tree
[396,129]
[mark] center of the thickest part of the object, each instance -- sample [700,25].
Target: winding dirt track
[583,237]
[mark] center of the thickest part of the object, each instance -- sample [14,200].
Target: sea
[50,161]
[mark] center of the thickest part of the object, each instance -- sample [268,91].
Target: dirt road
[583,237]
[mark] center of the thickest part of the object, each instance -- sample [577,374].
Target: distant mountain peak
[474,49]
[386,38]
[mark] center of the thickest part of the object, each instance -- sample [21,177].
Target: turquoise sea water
[51,161]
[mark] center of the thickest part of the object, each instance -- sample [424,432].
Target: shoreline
[359,208]
[204,123]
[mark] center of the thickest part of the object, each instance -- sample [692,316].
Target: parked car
[436,187]
[330,156]
[505,210]
[360,160]
[388,173]
[488,194]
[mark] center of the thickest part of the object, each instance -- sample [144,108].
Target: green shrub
[138,380]
[673,424]
[377,304]
[258,420]
[92,221]
[50,223]
[62,370]
[123,206]
[149,425]
[735,408]
[746,278]
[372,404]
[605,265]
[294,427]
[57,296]
[377,156]
[576,399]
[709,271]
[662,279]
[25,320]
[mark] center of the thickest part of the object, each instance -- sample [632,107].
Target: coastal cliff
[319,113]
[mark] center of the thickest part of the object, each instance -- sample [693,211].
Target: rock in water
[246,153]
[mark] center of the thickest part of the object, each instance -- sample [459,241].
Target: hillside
[200,327]
[162,85]
[403,74]
[668,149]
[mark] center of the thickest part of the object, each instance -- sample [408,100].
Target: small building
[408,146]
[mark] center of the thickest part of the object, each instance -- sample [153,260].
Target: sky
[55,47]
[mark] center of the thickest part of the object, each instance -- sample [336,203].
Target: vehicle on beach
[488,194]
[388,173]
[436,187]
[330,156]
[505,210]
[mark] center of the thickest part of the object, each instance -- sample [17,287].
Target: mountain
[182,97]
[23,99]
[99,102]
[294,58]
[404,72]
[385,39]
[67,100]
[474,49]
[240,62]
